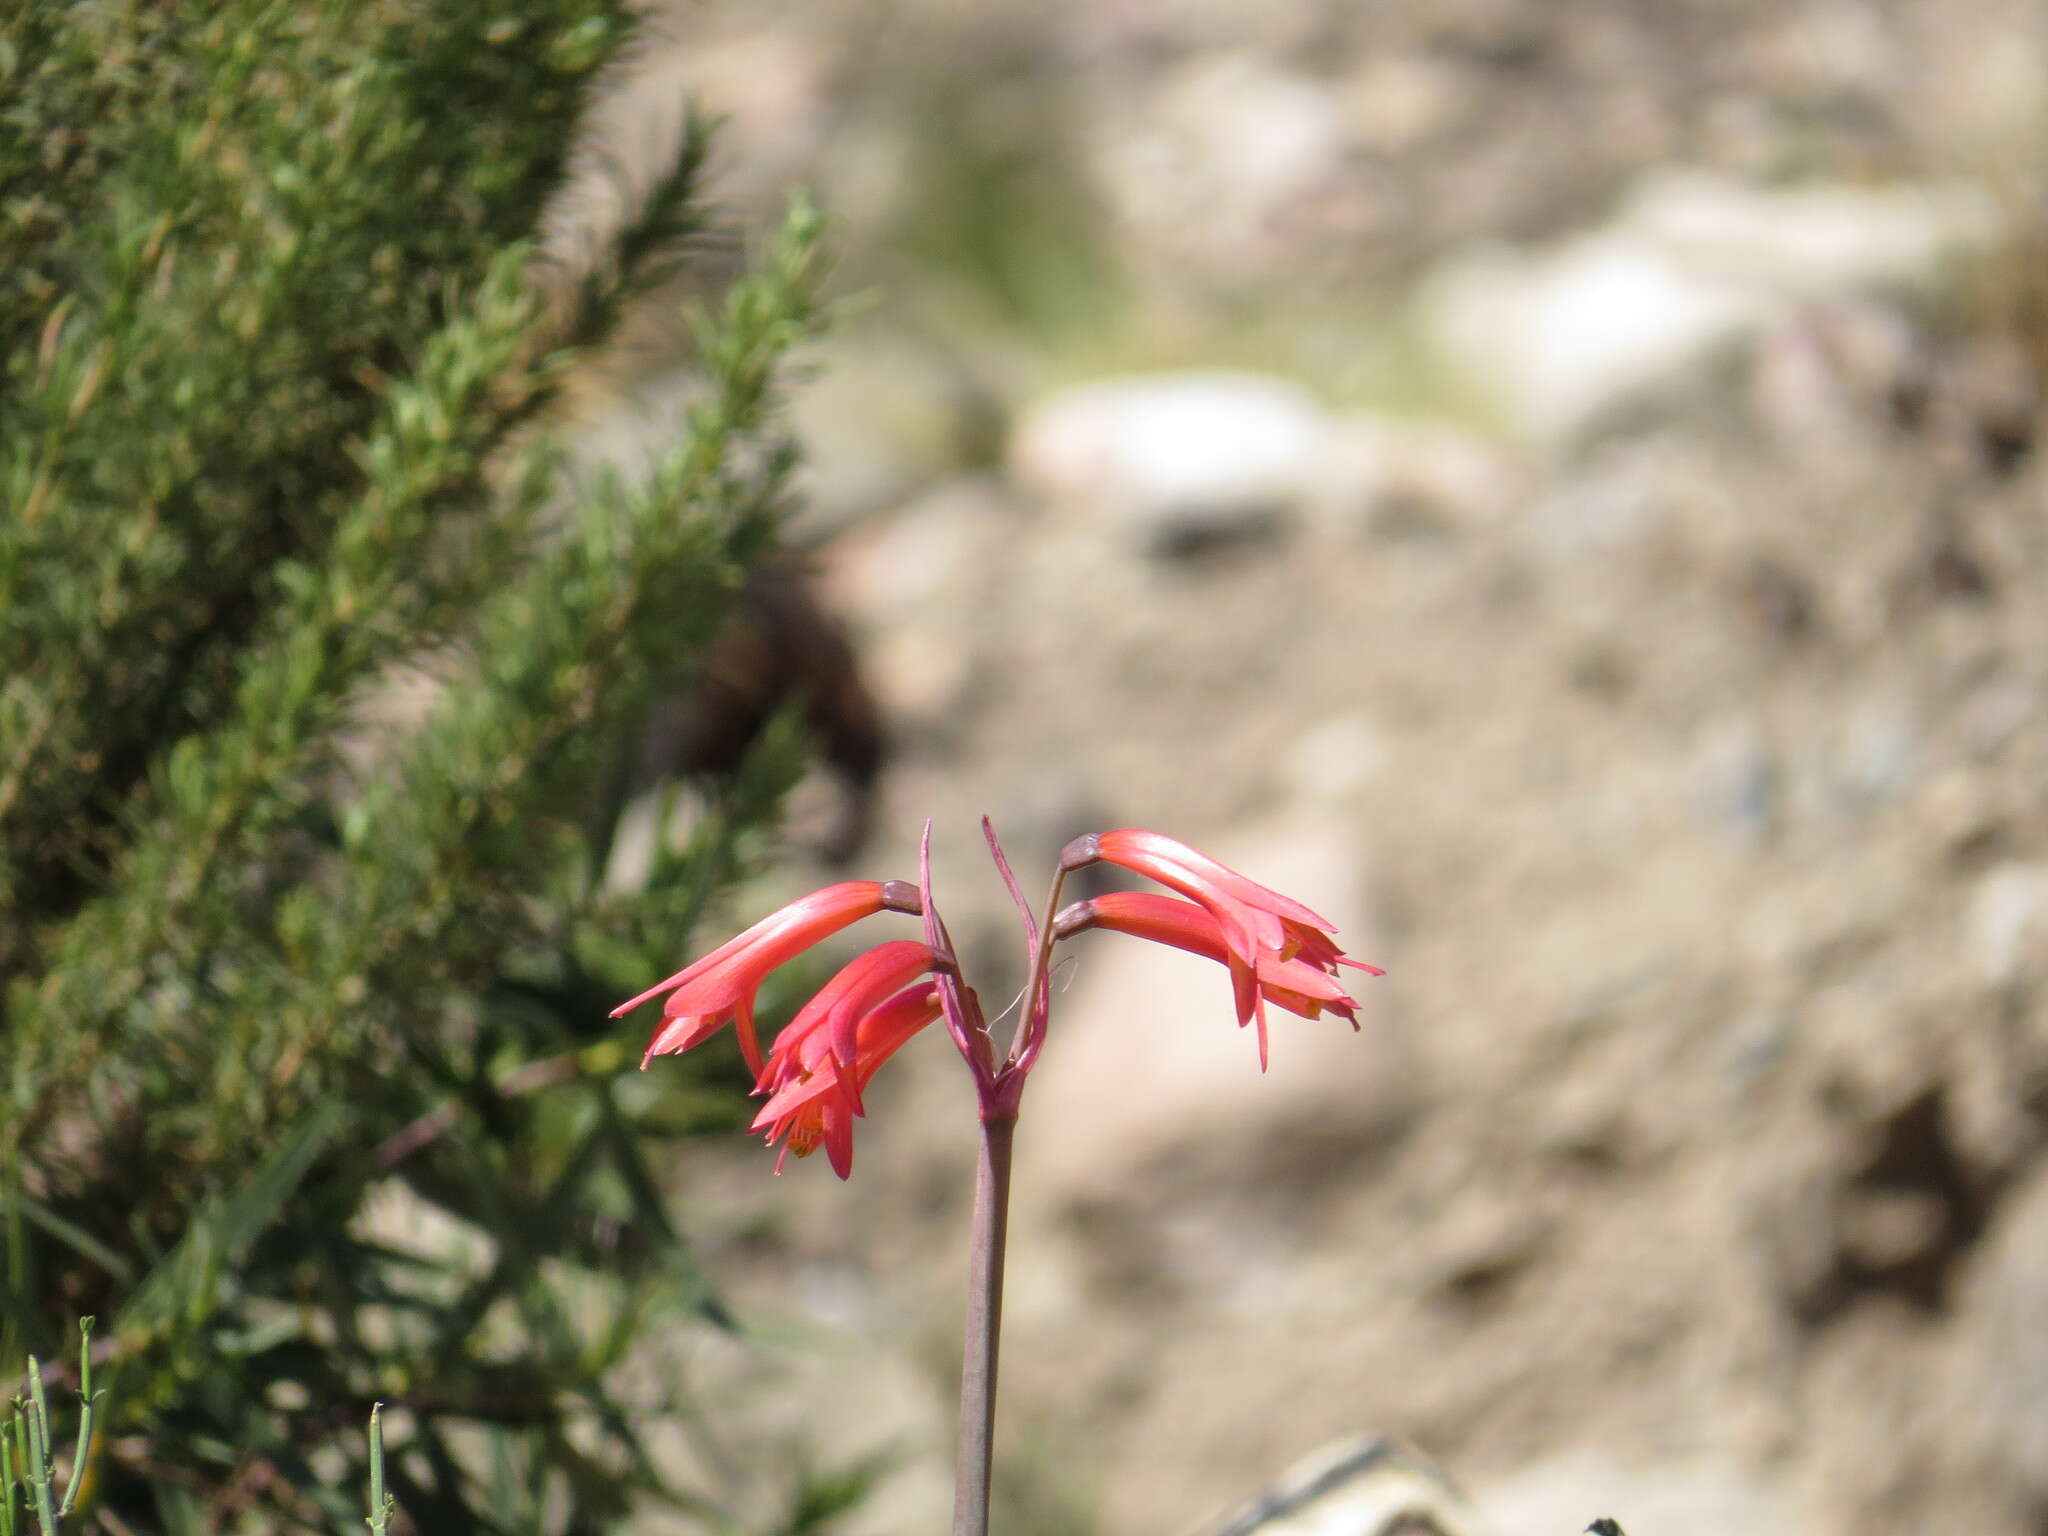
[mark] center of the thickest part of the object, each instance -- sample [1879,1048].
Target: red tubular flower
[1277,950]
[1303,986]
[816,1101]
[722,985]
[1254,919]
[827,1028]
[1257,929]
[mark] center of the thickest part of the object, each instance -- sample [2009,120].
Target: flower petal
[830,1021]
[722,985]
[817,1104]
[1304,985]
[1254,921]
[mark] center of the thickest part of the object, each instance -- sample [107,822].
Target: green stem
[80,1456]
[7,1480]
[38,1411]
[380,1501]
[975,1456]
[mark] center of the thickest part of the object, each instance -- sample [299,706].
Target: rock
[1177,461]
[1696,1496]
[1622,319]
[1564,342]
[1373,1487]
[1835,376]
[2008,920]
[2007,1348]
[1815,241]
[1400,479]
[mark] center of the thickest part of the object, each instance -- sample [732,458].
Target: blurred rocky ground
[1556,487]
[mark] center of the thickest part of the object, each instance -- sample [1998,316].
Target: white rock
[1818,241]
[1565,340]
[1692,267]
[2009,920]
[1175,458]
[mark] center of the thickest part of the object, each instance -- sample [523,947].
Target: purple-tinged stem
[984,1328]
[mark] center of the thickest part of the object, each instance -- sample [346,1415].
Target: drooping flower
[1302,985]
[1253,918]
[1277,951]
[827,1028]
[1257,928]
[818,1100]
[722,985]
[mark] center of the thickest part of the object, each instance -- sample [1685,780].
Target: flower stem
[984,1328]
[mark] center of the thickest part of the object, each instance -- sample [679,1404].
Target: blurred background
[1555,487]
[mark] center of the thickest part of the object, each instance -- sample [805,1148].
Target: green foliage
[274,360]
[28,1450]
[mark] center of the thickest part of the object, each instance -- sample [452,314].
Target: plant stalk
[984,1328]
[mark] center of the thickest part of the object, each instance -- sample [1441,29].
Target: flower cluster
[815,1074]
[1278,951]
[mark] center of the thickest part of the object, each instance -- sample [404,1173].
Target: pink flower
[827,1028]
[1301,986]
[1258,930]
[1277,950]
[722,985]
[817,1099]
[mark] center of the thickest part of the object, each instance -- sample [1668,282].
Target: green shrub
[275,363]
